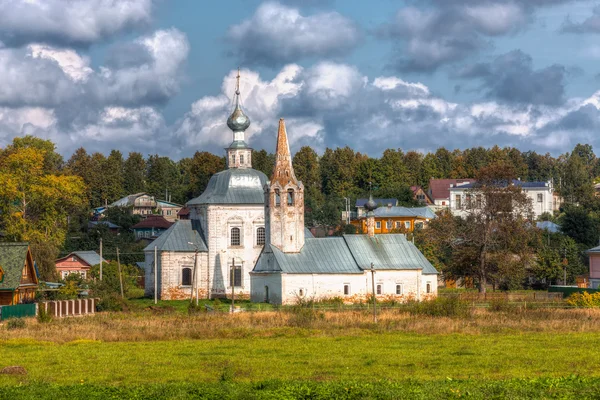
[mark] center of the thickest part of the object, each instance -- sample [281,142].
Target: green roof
[178,238]
[350,254]
[12,260]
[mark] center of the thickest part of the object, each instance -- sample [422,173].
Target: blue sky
[157,76]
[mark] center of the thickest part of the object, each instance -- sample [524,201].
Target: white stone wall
[170,268]
[217,227]
[322,286]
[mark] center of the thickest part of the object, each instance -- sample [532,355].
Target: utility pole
[120,276]
[565,263]
[155,276]
[374,298]
[196,275]
[100,258]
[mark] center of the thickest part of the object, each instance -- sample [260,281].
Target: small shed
[18,276]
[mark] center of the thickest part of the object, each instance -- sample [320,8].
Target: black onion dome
[370,205]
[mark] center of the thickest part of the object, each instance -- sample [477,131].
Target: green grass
[397,356]
[181,306]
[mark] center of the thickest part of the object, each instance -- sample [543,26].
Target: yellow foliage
[584,299]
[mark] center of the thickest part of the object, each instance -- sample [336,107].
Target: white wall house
[542,195]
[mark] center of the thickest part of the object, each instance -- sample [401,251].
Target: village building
[544,198]
[77,262]
[594,257]
[151,227]
[360,205]
[18,276]
[224,235]
[168,210]
[293,267]
[421,196]
[140,203]
[112,228]
[390,219]
[439,190]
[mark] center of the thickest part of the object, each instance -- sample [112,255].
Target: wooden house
[18,276]
[78,262]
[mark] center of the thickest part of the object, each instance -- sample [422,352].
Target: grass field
[165,353]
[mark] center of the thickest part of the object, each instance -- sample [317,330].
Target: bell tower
[284,200]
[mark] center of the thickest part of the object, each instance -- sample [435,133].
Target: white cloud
[69,22]
[278,34]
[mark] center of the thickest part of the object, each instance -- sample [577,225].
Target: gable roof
[13,257]
[440,188]
[548,225]
[379,202]
[418,212]
[153,221]
[164,203]
[178,238]
[90,257]
[127,200]
[110,225]
[350,254]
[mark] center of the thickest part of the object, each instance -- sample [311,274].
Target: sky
[158,76]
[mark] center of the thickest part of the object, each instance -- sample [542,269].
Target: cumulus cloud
[440,32]
[277,34]
[589,25]
[371,115]
[511,78]
[69,22]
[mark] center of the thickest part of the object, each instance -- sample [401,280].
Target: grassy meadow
[162,352]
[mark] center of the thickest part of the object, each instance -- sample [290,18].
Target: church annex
[292,267]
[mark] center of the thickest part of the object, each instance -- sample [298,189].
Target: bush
[584,299]
[43,316]
[501,305]
[440,307]
[194,309]
[15,323]
[303,314]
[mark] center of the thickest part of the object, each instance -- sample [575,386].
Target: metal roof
[379,202]
[308,233]
[234,186]
[420,212]
[318,256]
[127,200]
[350,254]
[90,257]
[13,257]
[109,225]
[549,226]
[178,238]
[594,250]
[390,251]
[515,182]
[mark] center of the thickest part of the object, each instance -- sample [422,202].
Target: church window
[290,197]
[260,236]
[398,289]
[186,276]
[233,159]
[235,275]
[266,294]
[241,158]
[235,237]
[379,289]
[277,198]
[428,287]
[347,289]
[301,292]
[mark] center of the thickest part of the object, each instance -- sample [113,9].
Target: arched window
[277,198]
[235,237]
[186,277]
[428,287]
[260,236]
[290,197]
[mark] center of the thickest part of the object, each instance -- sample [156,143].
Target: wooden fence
[507,296]
[17,311]
[68,308]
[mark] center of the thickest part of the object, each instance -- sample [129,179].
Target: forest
[46,199]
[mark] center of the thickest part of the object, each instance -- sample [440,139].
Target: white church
[246,235]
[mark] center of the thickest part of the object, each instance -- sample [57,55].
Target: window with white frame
[186,276]
[236,237]
[407,224]
[389,224]
[235,275]
[540,197]
[398,224]
[458,200]
[398,289]
[378,224]
[241,158]
[379,289]
[346,289]
[260,236]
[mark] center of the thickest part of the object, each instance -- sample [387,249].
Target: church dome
[233,186]
[238,121]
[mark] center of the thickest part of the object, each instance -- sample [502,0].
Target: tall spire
[283,173]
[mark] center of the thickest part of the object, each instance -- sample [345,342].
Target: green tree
[163,176]
[203,165]
[413,161]
[53,162]
[112,177]
[134,174]
[263,161]
[577,223]
[444,161]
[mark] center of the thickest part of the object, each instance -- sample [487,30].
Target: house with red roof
[151,227]
[439,190]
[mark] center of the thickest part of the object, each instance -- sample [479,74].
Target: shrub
[584,299]
[194,309]
[501,305]
[43,316]
[440,307]
[15,323]
[303,314]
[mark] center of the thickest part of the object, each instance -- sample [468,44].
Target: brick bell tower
[284,200]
